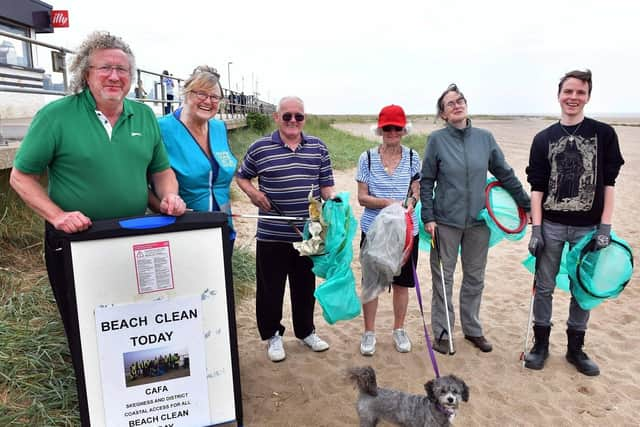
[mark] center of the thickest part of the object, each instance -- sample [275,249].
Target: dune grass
[349,118]
[344,148]
[37,385]
[241,139]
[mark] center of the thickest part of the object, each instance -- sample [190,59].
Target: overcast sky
[356,56]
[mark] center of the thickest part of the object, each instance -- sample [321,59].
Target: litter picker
[281,215]
[444,289]
[523,355]
[284,218]
[289,219]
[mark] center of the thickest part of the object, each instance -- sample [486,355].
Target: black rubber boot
[540,350]
[577,357]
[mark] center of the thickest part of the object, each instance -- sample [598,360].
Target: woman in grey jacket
[454,174]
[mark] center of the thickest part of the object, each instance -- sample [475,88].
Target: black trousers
[275,262]
[61,280]
[168,107]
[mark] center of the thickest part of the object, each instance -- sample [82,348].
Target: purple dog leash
[424,324]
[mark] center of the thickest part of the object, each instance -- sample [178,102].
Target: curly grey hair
[97,40]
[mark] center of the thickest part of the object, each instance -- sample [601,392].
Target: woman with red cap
[386,175]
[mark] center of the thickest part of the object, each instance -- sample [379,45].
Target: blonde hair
[203,77]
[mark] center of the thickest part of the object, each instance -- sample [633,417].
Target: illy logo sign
[59,18]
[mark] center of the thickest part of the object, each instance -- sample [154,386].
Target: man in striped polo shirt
[288,164]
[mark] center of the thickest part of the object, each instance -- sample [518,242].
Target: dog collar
[448,412]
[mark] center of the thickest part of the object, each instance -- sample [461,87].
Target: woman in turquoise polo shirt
[197,145]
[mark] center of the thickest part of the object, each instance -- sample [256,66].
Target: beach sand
[310,389]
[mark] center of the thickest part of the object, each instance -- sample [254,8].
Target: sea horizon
[614,118]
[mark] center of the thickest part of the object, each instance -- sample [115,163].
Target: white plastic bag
[381,257]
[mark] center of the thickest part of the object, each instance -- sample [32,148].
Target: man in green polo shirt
[98,150]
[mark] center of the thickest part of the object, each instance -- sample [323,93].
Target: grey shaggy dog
[437,408]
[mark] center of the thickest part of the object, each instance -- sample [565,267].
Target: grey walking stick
[444,290]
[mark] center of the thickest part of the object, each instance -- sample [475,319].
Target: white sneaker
[401,340]
[316,343]
[368,343]
[276,348]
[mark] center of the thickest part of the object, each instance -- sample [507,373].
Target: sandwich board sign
[156,319]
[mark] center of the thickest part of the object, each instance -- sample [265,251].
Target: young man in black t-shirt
[573,166]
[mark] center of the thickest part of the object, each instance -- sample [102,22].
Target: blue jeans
[548,264]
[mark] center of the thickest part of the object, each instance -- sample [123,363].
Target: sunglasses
[389,128]
[288,116]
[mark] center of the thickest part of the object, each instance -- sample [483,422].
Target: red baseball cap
[392,115]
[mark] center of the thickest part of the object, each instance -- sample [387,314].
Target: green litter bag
[599,275]
[562,278]
[424,241]
[337,294]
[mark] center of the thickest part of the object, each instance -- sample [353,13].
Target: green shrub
[258,122]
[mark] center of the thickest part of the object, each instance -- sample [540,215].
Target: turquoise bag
[598,275]
[592,276]
[562,278]
[505,221]
[337,294]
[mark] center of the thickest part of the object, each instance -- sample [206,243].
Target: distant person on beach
[454,175]
[232,102]
[197,145]
[243,103]
[97,148]
[288,164]
[168,86]
[139,90]
[573,166]
[386,175]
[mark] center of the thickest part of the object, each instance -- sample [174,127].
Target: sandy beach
[310,389]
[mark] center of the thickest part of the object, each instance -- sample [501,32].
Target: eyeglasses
[202,96]
[389,128]
[460,101]
[106,70]
[286,117]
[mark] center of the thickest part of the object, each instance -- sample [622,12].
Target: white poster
[153,363]
[153,266]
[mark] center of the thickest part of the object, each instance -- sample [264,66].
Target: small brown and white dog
[437,408]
